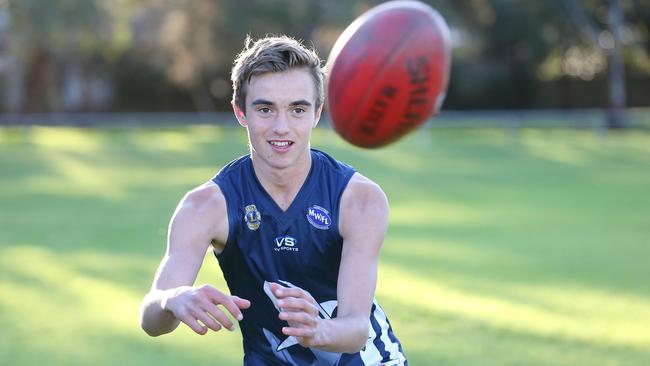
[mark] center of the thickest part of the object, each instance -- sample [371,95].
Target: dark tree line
[127,55]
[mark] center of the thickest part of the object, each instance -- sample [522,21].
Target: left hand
[300,310]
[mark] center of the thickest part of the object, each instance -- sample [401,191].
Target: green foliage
[524,248]
[67,28]
[506,52]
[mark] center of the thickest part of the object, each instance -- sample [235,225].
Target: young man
[297,234]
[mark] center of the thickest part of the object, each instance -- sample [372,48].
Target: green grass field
[528,248]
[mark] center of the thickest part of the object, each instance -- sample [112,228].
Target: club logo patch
[252,217]
[319,217]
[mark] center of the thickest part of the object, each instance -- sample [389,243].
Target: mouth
[280,145]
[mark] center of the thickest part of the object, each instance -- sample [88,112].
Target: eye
[299,110]
[264,110]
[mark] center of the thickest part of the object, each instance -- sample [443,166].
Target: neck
[283,184]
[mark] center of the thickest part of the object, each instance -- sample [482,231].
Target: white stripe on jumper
[391,348]
[370,355]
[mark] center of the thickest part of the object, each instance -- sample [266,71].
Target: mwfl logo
[286,243]
[319,217]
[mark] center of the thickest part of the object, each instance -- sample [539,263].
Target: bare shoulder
[203,210]
[363,203]
[362,192]
[204,199]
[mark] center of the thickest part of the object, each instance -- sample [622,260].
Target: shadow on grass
[78,308]
[505,252]
[520,253]
[445,339]
[83,308]
[105,348]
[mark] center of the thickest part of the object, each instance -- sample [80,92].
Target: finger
[276,286]
[281,291]
[299,332]
[284,292]
[208,321]
[219,298]
[296,304]
[241,303]
[191,322]
[219,316]
[295,318]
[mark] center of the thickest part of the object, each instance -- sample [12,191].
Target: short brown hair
[274,54]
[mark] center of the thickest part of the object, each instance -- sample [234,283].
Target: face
[280,115]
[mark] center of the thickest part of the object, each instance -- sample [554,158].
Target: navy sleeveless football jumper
[298,247]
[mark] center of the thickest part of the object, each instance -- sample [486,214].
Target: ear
[240,115]
[318,113]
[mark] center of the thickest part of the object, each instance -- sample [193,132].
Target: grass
[503,249]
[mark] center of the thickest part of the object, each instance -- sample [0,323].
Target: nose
[281,124]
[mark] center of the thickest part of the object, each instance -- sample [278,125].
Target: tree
[510,48]
[609,42]
[193,42]
[57,50]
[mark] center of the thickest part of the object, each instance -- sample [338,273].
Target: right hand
[197,307]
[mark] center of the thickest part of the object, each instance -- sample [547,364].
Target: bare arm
[363,222]
[200,219]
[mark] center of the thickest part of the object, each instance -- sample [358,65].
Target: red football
[388,72]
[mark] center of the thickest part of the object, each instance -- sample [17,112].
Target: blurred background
[520,216]
[71,56]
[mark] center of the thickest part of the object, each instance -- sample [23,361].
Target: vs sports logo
[286,243]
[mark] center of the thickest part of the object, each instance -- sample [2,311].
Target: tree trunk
[617,96]
[15,82]
[616,71]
